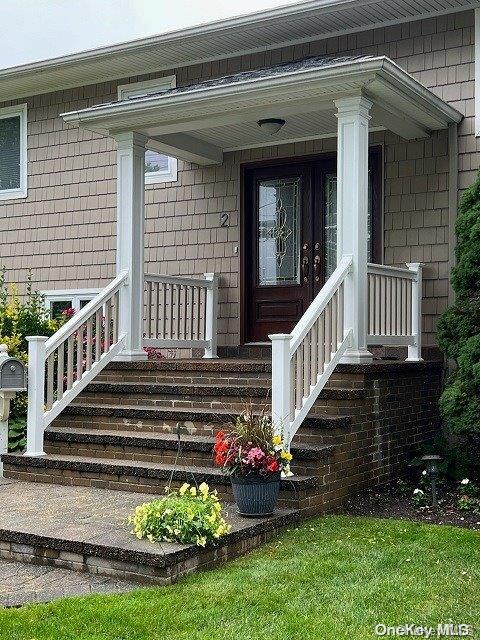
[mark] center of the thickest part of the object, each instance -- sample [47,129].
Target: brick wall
[65,229]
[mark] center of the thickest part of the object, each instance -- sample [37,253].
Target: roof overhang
[260,31]
[212,119]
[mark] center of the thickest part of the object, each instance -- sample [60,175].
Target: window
[59,300]
[13,152]
[158,167]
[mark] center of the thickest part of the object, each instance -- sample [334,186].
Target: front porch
[359,305]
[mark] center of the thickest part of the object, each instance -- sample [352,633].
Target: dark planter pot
[256,496]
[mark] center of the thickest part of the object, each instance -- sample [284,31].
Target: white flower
[465,481]
[417,492]
[424,473]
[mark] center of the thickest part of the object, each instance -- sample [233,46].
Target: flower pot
[256,496]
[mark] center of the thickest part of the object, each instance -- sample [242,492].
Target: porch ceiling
[200,122]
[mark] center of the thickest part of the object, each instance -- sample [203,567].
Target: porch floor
[85,529]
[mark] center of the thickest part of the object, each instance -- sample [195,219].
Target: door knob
[316,267]
[305,268]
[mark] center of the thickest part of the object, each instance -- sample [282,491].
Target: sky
[42,29]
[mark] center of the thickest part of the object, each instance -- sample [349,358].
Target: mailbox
[12,375]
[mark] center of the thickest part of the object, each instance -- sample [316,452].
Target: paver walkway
[22,583]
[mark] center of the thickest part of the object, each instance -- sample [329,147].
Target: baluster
[50,385]
[334,323]
[98,334]
[164,311]
[393,318]
[185,312]
[328,334]
[292,405]
[157,312]
[388,306]
[88,350]
[321,342]
[70,351]
[80,352]
[204,314]
[340,329]
[314,354]
[371,301]
[409,307]
[398,315]
[377,305]
[306,366]
[148,310]
[298,380]
[108,321]
[60,370]
[192,314]
[170,328]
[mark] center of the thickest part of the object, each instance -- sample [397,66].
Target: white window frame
[9,112]
[75,295]
[157,85]
[477,72]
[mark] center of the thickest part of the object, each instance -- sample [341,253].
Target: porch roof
[200,122]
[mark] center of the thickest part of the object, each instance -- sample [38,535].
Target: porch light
[432,463]
[271,125]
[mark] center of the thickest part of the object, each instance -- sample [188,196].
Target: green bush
[459,338]
[188,516]
[19,318]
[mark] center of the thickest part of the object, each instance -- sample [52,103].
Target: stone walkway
[22,583]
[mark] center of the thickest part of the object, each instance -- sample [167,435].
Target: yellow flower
[193,491]
[285,455]
[201,541]
[204,488]
[184,488]
[277,439]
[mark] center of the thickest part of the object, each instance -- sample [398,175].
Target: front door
[290,241]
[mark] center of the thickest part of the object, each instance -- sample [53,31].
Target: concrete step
[147,477]
[185,449]
[85,529]
[160,419]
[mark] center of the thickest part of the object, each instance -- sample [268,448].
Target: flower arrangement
[251,447]
[188,516]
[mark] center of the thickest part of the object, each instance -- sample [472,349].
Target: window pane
[155,162]
[279,231]
[331,223]
[58,306]
[10,153]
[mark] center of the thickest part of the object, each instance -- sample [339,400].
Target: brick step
[163,447]
[166,419]
[85,529]
[147,477]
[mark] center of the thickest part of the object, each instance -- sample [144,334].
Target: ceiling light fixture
[271,125]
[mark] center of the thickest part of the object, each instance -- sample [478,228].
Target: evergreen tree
[459,336]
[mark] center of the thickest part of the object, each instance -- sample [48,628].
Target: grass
[333,578]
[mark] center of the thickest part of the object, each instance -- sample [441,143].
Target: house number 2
[224,219]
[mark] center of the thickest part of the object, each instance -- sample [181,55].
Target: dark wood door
[289,240]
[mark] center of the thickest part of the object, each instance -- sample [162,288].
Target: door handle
[316,267]
[305,268]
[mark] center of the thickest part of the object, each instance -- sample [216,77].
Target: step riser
[294,499]
[309,435]
[185,458]
[186,377]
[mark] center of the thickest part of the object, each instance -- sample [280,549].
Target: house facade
[62,221]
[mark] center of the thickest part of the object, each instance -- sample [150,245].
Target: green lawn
[334,578]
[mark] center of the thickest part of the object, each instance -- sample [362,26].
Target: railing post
[211,316]
[36,395]
[281,385]
[415,350]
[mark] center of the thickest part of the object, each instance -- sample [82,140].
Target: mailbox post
[12,379]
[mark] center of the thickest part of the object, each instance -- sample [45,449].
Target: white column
[415,350]
[36,395]
[352,217]
[130,239]
[281,385]
[211,316]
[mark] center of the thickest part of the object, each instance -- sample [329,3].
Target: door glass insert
[331,222]
[279,231]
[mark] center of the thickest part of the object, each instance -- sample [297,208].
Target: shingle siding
[65,229]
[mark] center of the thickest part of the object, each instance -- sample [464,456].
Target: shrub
[459,337]
[469,499]
[251,447]
[188,516]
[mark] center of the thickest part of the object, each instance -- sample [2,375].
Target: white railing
[61,366]
[303,360]
[181,312]
[394,307]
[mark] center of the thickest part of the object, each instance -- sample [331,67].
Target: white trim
[477,72]
[75,295]
[144,88]
[19,110]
